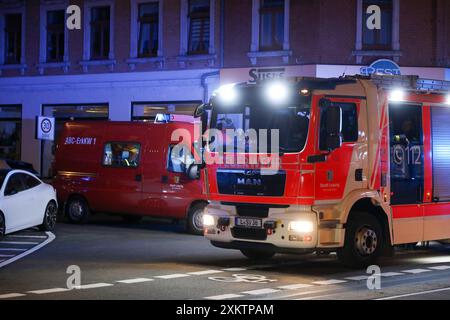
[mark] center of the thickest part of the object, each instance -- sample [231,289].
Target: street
[157,260]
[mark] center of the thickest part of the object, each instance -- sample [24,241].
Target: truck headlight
[208,220]
[301,226]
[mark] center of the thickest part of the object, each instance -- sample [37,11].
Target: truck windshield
[290,120]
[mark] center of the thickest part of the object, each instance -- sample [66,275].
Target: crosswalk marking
[11,295]
[235,269]
[261,291]
[47,291]
[296,286]
[19,242]
[328,282]
[25,236]
[205,272]
[439,267]
[416,271]
[135,280]
[93,286]
[173,276]
[391,274]
[12,249]
[357,278]
[225,296]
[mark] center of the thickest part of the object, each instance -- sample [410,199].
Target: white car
[25,202]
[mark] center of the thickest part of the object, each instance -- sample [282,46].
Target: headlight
[227,94]
[208,220]
[277,92]
[397,95]
[301,226]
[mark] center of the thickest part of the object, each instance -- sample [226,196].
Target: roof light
[227,94]
[277,92]
[304,92]
[397,95]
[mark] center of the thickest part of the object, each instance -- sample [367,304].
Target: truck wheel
[254,254]
[50,215]
[132,218]
[195,219]
[363,241]
[77,210]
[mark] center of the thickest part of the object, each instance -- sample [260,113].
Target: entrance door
[406,171]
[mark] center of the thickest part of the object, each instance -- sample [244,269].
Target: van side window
[121,154]
[179,158]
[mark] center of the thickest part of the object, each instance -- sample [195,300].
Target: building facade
[131,59]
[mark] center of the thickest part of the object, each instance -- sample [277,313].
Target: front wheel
[195,219]
[254,254]
[77,210]
[363,241]
[50,215]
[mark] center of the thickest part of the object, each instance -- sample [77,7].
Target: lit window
[121,154]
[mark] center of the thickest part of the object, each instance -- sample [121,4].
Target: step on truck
[127,168]
[363,165]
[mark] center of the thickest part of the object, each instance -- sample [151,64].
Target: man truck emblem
[249,182]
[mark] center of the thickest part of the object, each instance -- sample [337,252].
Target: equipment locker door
[406,171]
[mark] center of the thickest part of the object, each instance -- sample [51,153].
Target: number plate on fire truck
[249,223]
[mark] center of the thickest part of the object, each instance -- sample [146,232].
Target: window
[30,181]
[271,25]
[148,29]
[121,154]
[179,159]
[10,132]
[142,111]
[55,36]
[378,38]
[199,23]
[13,38]
[349,124]
[14,185]
[100,33]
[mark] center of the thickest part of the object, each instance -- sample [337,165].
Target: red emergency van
[126,168]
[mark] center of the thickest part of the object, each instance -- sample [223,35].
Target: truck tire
[194,222]
[77,210]
[364,241]
[50,215]
[254,254]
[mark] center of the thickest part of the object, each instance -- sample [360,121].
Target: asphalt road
[157,260]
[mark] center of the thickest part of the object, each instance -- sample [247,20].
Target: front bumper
[276,235]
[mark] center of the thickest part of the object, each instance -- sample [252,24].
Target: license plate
[249,223]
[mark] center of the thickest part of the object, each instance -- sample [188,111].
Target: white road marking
[46,291]
[315,297]
[357,278]
[200,273]
[391,274]
[50,238]
[6,255]
[136,280]
[173,276]
[235,269]
[301,294]
[12,249]
[296,286]
[439,267]
[93,286]
[328,282]
[414,294]
[18,242]
[261,291]
[225,296]
[11,295]
[416,271]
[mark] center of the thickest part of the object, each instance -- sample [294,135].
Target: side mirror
[330,127]
[193,172]
[201,109]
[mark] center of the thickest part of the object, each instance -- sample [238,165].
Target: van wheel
[2,226]
[131,218]
[77,210]
[50,215]
[363,241]
[195,219]
[254,254]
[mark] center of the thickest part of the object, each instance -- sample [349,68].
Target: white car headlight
[301,226]
[208,220]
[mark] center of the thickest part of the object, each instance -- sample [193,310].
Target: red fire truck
[363,166]
[126,168]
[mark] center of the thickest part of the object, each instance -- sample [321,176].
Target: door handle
[138,177]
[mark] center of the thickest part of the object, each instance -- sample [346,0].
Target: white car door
[14,204]
[37,196]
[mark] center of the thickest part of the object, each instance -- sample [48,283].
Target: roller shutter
[440,117]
